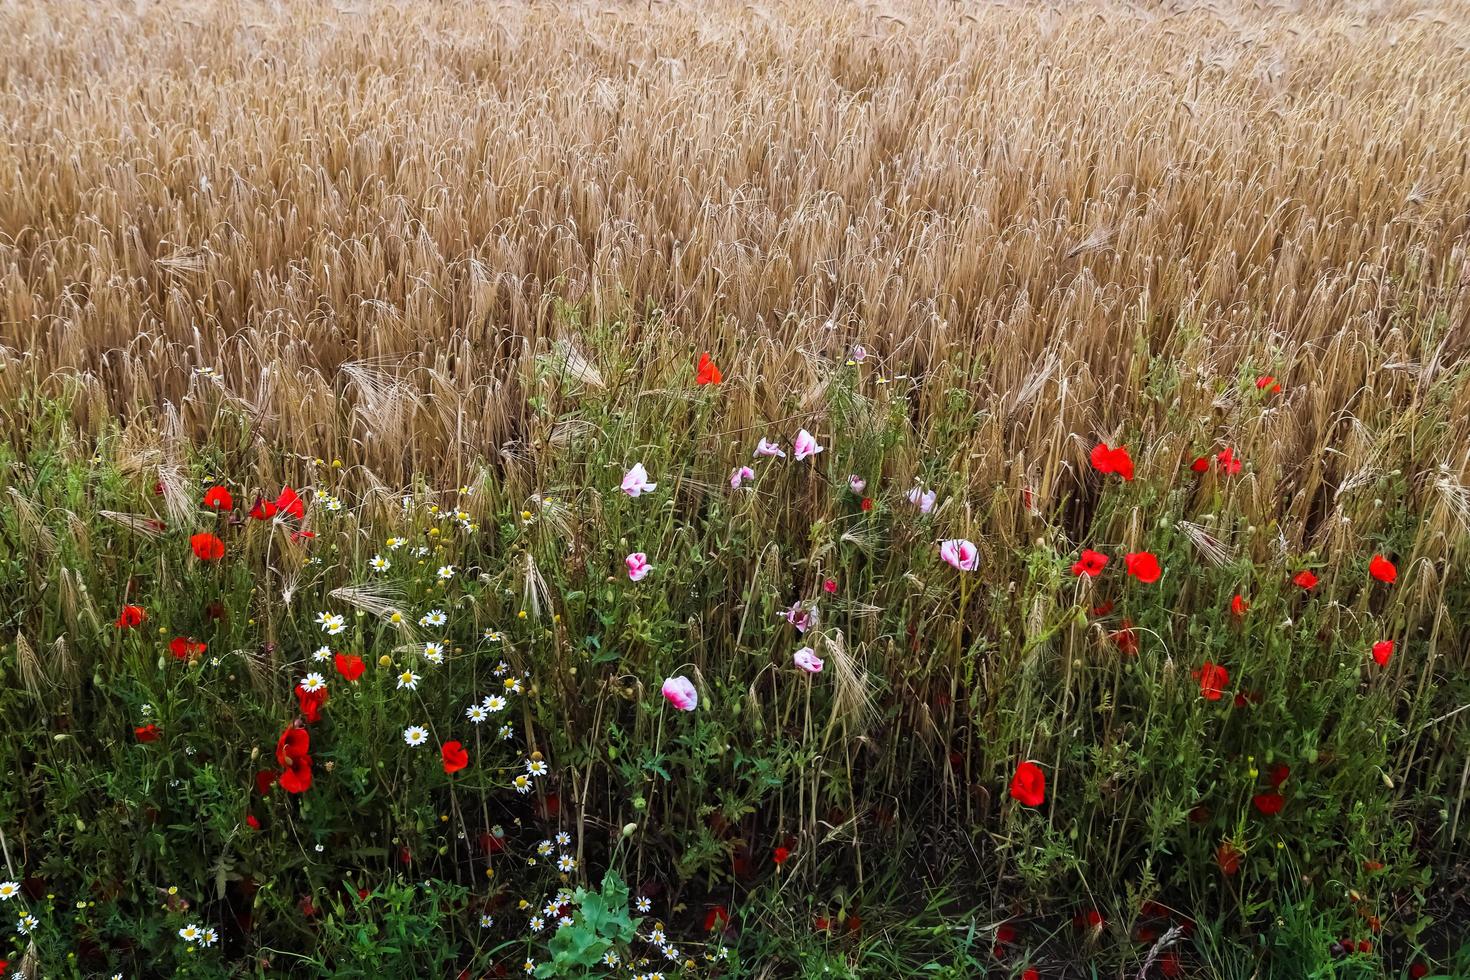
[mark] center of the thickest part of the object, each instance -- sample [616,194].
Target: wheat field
[385,250]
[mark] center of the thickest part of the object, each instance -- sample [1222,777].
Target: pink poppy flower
[638,566]
[767,448]
[681,693]
[859,353]
[635,481]
[805,446]
[802,616]
[856,484]
[806,658]
[923,499]
[739,475]
[960,553]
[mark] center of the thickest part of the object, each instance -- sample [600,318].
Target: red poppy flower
[1102,609]
[1030,973]
[716,918]
[349,665]
[148,733]
[252,821]
[780,855]
[1089,919]
[1419,971]
[1269,803]
[821,923]
[1382,569]
[854,923]
[1028,785]
[1127,639]
[1382,650]
[296,778]
[264,780]
[1199,814]
[1228,858]
[706,373]
[1143,566]
[311,703]
[1112,460]
[1306,579]
[830,586]
[290,502]
[1267,383]
[1212,680]
[1279,774]
[218,498]
[1200,465]
[1005,933]
[183,647]
[1090,563]
[867,503]
[207,547]
[263,510]
[455,757]
[1238,605]
[302,535]
[1169,964]
[1226,461]
[294,743]
[130,616]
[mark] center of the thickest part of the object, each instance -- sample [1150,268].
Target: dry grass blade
[147,526]
[33,530]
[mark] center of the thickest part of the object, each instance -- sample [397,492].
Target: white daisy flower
[332,624]
[486,921]
[522,784]
[190,933]
[507,732]
[564,839]
[209,938]
[566,863]
[8,890]
[395,543]
[415,735]
[446,572]
[644,903]
[544,849]
[491,636]
[476,713]
[563,922]
[537,923]
[535,767]
[379,564]
[313,682]
[408,679]
[493,702]
[434,652]
[26,923]
[322,654]
[434,617]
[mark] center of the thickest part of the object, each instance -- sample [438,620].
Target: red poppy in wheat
[706,373]
[1382,650]
[780,855]
[455,757]
[1227,462]
[207,547]
[1279,774]
[1091,563]
[148,733]
[263,510]
[1269,804]
[1127,638]
[311,702]
[1268,384]
[291,754]
[218,498]
[1030,973]
[1200,465]
[1307,579]
[1383,570]
[183,647]
[264,780]
[1212,680]
[349,665]
[1112,460]
[1028,785]
[867,503]
[1143,565]
[1238,605]
[290,502]
[252,821]
[130,616]
[1228,858]
[716,918]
